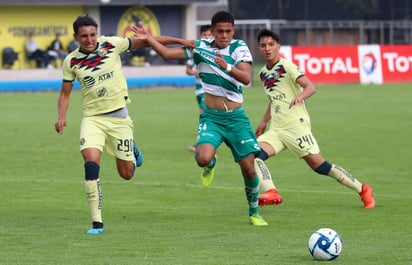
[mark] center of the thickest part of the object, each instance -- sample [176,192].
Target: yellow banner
[45,21]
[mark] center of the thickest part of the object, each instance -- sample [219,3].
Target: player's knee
[126,173]
[91,170]
[202,160]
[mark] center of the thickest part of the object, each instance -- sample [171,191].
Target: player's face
[223,33]
[206,34]
[87,38]
[269,49]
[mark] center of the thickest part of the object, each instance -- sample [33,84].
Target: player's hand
[220,60]
[189,43]
[59,125]
[297,100]
[260,129]
[140,32]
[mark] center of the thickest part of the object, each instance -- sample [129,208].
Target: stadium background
[300,24]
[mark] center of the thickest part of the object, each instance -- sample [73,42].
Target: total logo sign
[371,64]
[330,64]
[366,64]
[397,63]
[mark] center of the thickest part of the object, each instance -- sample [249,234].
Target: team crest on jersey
[270,79]
[95,59]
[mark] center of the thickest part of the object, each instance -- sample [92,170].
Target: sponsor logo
[326,65]
[368,63]
[397,63]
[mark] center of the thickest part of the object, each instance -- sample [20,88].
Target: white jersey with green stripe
[214,79]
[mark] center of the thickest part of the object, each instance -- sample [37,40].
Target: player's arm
[165,52]
[166,40]
[241,72]
[63,106]
[262,125]
[137,43]
[308,90]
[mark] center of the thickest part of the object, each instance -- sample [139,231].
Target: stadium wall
[32,80]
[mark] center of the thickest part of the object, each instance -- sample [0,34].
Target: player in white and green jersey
[287,89]
[224,66]
[97,66]
[205,33]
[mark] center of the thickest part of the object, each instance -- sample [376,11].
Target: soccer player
[205,33]
[287,88]
[224,64]
[96,65]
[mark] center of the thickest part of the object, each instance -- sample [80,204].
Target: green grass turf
[164,216]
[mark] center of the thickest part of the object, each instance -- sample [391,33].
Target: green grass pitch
[164,216]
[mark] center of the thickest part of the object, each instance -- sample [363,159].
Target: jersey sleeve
[243,54]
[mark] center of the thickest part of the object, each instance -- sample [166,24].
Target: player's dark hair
[204,28]
[222,17]
[83,20]
[268,33]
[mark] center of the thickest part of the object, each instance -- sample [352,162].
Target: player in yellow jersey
[287,88]
[96,64]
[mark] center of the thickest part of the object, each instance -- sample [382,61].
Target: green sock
[252,193]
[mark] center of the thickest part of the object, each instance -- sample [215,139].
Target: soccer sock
[252,192]
[340,174]
[265,178]
[94,199]
[93,190]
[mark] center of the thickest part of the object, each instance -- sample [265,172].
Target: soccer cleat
[271,196]
[208,174]
[257,220]
[367,196]
[137,155]
[95,231]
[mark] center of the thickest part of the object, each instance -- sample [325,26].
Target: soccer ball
[325,244]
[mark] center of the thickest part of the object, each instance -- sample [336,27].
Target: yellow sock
[94,198]
[344,177]
[265,178]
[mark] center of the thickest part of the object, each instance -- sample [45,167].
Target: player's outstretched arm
[62,107]
[163,51]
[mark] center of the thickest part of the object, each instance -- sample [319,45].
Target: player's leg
[239,136]
[93,188]
[269,143]
[251,181]
[208,140]
[206,158]
[120,143]
[321,166]
[92,140]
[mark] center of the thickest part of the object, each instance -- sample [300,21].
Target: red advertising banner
[353,64]
[396,63]
[328,64]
